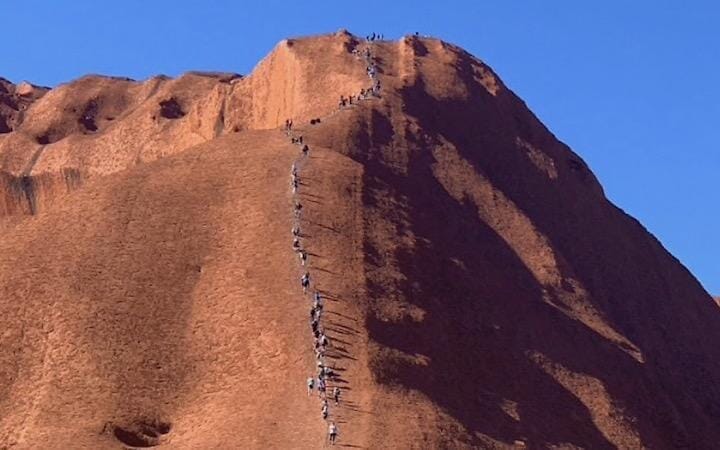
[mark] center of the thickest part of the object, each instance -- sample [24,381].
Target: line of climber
[365,93]
[321,342]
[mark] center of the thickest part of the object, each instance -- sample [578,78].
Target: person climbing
[332,433]
[318,302]
[295,231]
[321,387]
[305,149]
[314,323]
[290,124]
[336,395]
[303,257]
[305,282]
[328,372]
[300,139]
[293,170]
[324,409]
[324,341]
[296,244]
[350,99]
[310,385]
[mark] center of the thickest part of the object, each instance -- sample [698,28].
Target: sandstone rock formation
[482,291]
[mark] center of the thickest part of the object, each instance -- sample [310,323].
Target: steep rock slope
[505,287]
[482,291]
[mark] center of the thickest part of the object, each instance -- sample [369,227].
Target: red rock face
[482,292]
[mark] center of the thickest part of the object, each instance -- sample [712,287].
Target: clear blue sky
[632,86]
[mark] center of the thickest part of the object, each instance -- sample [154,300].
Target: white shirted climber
[332,433]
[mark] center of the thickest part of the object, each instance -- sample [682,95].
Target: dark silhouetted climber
[303,257]
[305,149]
[296,244]
[324,410]
[305,282]
[295,231]
[310,385]
[336,395]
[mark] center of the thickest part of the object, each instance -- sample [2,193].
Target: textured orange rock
[482,290]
